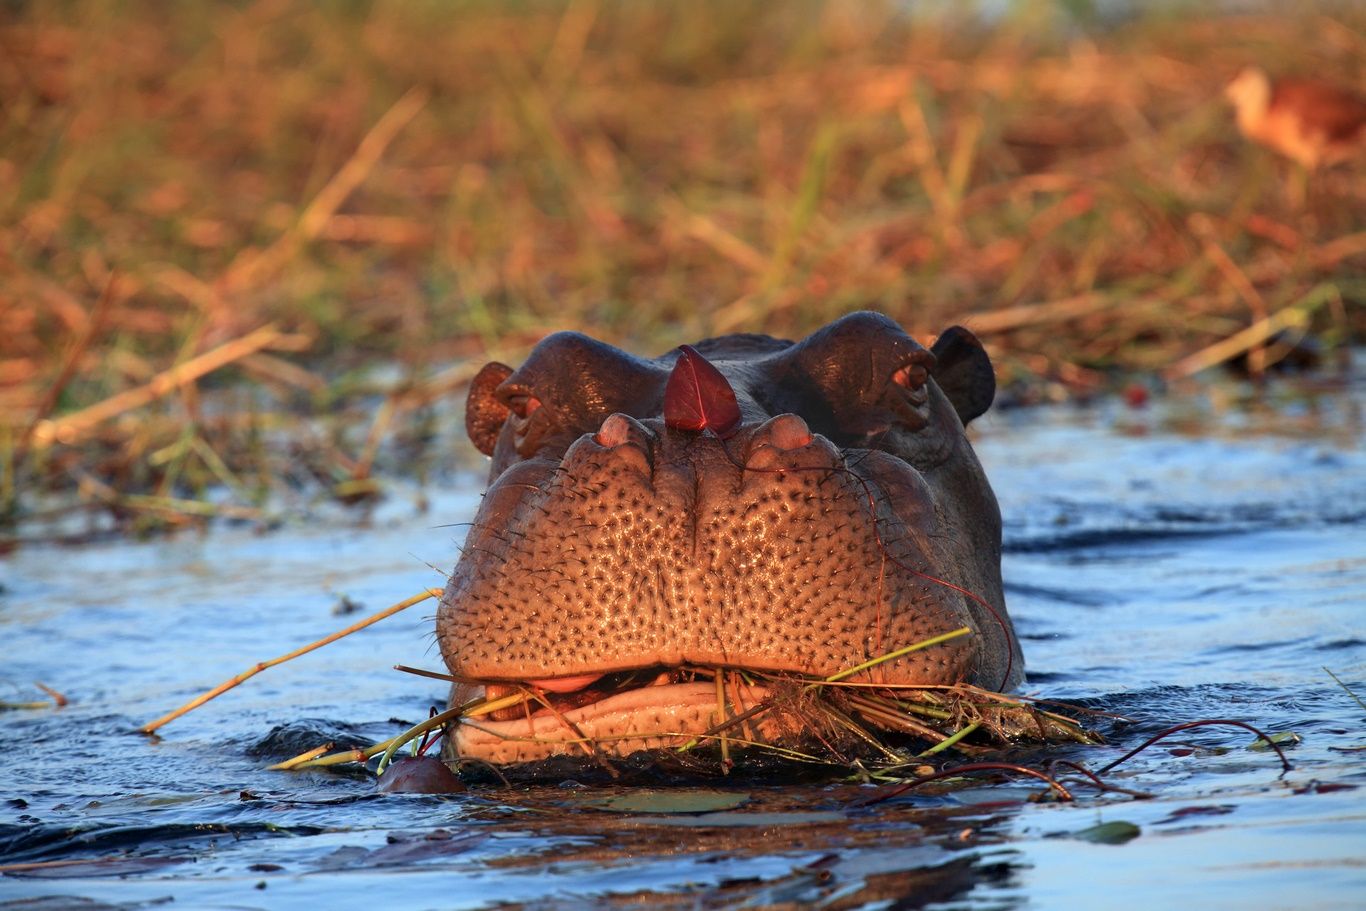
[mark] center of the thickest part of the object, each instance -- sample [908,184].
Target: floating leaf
[680,801]
[1109,833]
[698,397]
[743,819]
[1283,739]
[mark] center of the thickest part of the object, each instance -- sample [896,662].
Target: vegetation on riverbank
[252,250]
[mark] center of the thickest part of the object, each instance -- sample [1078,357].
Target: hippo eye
[908,384]
[907,394]
[528,429]
[911,376]
[518,399]
[522,404]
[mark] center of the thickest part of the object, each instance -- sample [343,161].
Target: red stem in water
[894,790]
[1285,763]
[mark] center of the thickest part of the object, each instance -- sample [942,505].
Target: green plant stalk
[951,740]
[926,643]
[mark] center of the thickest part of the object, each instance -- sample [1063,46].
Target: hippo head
[748,504]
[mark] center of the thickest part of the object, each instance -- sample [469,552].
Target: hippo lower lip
[748,504]
[659,716]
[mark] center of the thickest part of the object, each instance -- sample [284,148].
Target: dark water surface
[1175,563]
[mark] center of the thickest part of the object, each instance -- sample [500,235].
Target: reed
[152,727]
[423,186]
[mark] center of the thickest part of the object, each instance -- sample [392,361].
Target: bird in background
[1313,123]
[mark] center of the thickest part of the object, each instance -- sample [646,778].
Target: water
[1170,564]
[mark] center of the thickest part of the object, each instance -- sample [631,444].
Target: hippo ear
[484,414]
[963,371]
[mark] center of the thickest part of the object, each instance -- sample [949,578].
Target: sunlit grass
[414,184]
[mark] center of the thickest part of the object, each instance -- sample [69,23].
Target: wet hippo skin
[746,503]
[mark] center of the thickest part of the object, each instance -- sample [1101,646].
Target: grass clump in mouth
[860,726]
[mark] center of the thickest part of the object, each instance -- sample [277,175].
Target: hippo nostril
[776,436]
[615,431]
[788,431]
[620,441]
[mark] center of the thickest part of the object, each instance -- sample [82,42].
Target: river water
[1199,558]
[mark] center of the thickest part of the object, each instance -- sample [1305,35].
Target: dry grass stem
[1293,317]
[409,191]
[152,726]
[253,267]
[71,428]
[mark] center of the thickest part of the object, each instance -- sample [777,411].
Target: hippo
[665,539]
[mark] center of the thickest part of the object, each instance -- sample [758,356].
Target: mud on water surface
[1179,562]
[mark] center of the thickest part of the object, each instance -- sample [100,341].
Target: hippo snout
[744,504]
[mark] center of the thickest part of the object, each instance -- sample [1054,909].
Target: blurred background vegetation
[255,249]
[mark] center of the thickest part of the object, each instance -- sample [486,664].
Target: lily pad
[1109,833]
[691,800]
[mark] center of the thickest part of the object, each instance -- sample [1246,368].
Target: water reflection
[1187,561]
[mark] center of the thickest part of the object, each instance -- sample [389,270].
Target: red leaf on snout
[698,397]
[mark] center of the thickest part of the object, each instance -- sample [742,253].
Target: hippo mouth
[669,549]
[619,714]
